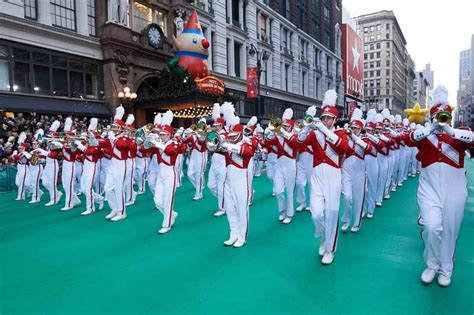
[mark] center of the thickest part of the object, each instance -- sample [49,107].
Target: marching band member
[50,173]
[141,167]
[272,158]
[68,175]
[166,180]
[304,168]
[78,164]
[198,158]
[105,156]
[178,166]
[22,174]
[329,146]
[371,163]
[217,171]
[154,164]
[382,159]
[413,153]
[130,193]
[353,174]
[92,154]
[389,133]
[249,129]
[35,168]
[285,171]
[442,191]
[118,144]
[236,187]
[260,154]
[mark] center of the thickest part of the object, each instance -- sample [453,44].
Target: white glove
[58,145]
[287,135]
[393,134]
[80,146]
[373,138]
[384,138]
[359,141]
[27,155]
[331,137]
[449,130]
[304,133]
[160,145]
[15,152]
[77,142]
[463,135]
[269,134]
[41,151]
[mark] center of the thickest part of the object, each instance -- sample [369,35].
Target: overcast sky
[436,31]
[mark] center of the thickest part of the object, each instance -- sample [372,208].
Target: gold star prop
[416,113]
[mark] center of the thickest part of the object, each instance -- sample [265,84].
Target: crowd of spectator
[11,127]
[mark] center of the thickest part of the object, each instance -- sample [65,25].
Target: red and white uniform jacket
[54,154]
[385,150]
[195,143]
[92,153]
[70,155]
[142,152]
[325,152]
[169,154]
[439,148]
[21,159]
[120,147]
[242,159]
[356,150]
[288,148]
[132,152]
[374,148]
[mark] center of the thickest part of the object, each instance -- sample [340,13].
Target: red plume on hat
[440,102]
[329,104]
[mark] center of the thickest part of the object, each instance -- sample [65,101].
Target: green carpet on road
[54,262]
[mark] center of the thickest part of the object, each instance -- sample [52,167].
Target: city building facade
[385,76]
[93,49]
[464,113]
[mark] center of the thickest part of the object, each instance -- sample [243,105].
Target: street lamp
[261,55]
[126,95]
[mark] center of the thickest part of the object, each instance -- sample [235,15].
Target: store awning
[45,105]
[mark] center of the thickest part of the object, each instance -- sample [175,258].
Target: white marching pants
[353,189]
[21,180]
[383,174]
[130,194]
[325,196]
[395,160]
[401,163]
[50,178]
[258,164]
[442,195]
[372,171]
[114,186]
[104,168]
[164,192]
[68,178]
[153,169]
[304,169]
[35,172]
[196,168]
[78,174]
[414,161]
[236,202]
[284,182]
[250,171]
[390,171]
[216,178]
[89,173]
[270,166]
[141,165]
[178,168]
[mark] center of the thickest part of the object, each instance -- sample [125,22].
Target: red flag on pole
[251,82]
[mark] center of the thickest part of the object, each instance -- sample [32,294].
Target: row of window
[26,70]
[375,64]
[377,28]
[376,46]
[63,13]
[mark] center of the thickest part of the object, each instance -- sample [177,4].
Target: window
[387,44]
[285,8]
[387,36]
[366,29]
[387,63]
[303,79]
[263,27]
[378,45]
[387,72]
[378,54]
[387,26]
[372,28]
[21,77]
[60,82]
[366,39]
[366,47]
[371,46]
[371,55]
[285,38]
[237,48]
[316,88]
[91,17]
[326,14]
[387,92]
[4,69]
[366,56]
[372,38]
[287,73]
[378,36]
[41,79]
[378,63]
[328,64]
[63,13]
[387,54]
[378,73]
[379,27]
[30,9]
[142,16]
[160,19]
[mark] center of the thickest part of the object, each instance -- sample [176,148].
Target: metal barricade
[7,178]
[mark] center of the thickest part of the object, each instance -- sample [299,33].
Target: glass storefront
[32,70]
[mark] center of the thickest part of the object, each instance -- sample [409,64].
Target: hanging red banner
[251,82]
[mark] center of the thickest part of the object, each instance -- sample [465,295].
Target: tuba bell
[213,141]
[443,118]
[275,124]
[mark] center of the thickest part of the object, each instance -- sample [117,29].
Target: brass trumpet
[275,124]
[443,118]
